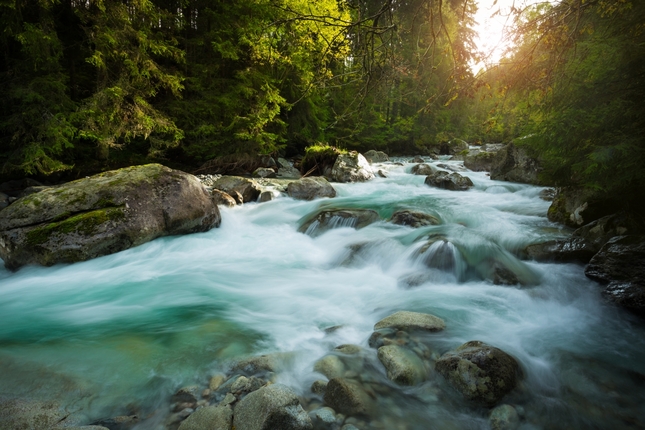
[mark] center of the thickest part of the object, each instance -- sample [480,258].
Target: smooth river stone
[405,320]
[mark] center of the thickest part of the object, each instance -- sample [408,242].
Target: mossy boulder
[351,167]
[482,373]
[103,214]
[516,164]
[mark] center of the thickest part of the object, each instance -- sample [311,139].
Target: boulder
[410,321]
[337,218]
[247,188]
[373,156]
[576,206]
[480,372]
[417,160]
[319,387]
[514,164]
[310,188]
[188,394]
[423,169]
[479,161]
[348,397]
[209,418]
[272,407]
[267,196]
[403,366]
[620,265]
[103,214]
[449,181]
[223,199]
[413,218]
[264,172]
[351,167]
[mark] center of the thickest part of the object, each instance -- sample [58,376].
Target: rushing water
[119,334]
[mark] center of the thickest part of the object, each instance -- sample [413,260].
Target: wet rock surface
[480,372]
[410,321]
[449,181]
[423,169]
[413,218]
[336,218]
[271,407]
[620,265]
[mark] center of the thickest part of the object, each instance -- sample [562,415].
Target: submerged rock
[103,214]
[413,218]
[329,219]
[449,181]
[482,373]
[310,188]
[620,265]
[272,407]
[403,366]
[504,417]
[347,397]
[417,160]
[409,321]
[209,418]
[30,414]
[373,156]
[423,169]
[351,167]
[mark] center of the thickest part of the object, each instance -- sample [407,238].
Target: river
[121,333]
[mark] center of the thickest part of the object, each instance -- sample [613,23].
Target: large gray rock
[482,373]
[331,366]
[222,198]
[248,188]
[103,214]
[264,172]
[513,163]
[620,265]
[336,218]
[269,408]
[403,366]
[351,167]
[413,218]
[449,181]
[373,156]
[410,321]
[209,418]
[310,188]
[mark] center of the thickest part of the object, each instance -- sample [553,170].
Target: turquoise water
[119,334]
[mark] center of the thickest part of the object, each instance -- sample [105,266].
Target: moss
[85,224]
[320,156]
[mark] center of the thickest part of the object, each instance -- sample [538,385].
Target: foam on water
[134,326]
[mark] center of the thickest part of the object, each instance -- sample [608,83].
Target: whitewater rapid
[125,331]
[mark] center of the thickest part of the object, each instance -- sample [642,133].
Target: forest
[89,85]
